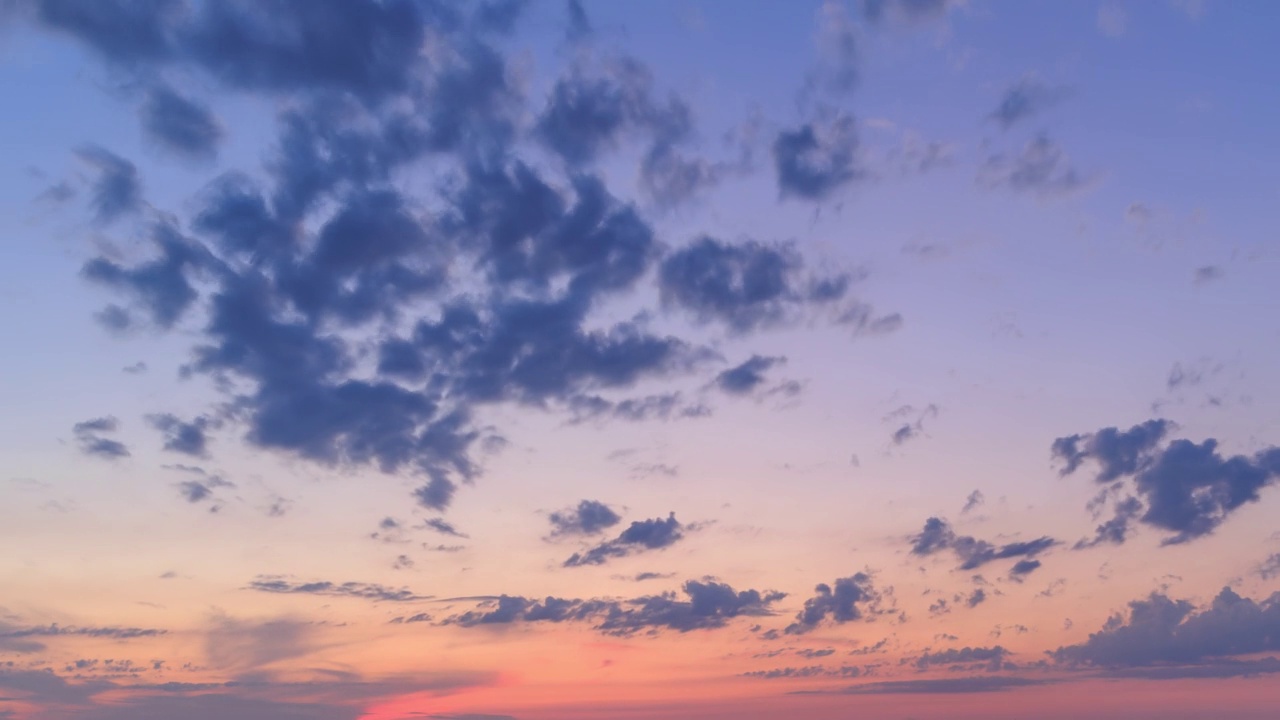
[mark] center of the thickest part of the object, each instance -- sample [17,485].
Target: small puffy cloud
[705,606]
[1185,488]
[179,124]
[590,517]
[89,437]
[117,190]
[973,553]
[188,438]
[1024,99]
[815,160]
[847,600]
[365,591]
[745,378]
[641,535]
[1041,168]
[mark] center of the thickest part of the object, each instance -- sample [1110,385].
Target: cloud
[183,437]
[488,282]
[708,605]
[366,591]
[88,435]
[745,378]
[1160,631]
[846,671]
[1113,21]
[641,535]
[907,11]
[973,553]
[1041,168]
[945,686]
[992,656]
[1184,488]
[1208,273]
[590,517]
[974,501]
[179,124]
[1270,568]
[746,286]
[816,159]
[850,599]
[1024,99]
[444,528]
[912,429]
[117,191]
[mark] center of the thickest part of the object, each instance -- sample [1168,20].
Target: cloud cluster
[705,605]
[1160,631]
[641,535]
[937,535]
[1184,488]
[494,280]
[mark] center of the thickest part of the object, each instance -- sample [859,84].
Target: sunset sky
[590,360]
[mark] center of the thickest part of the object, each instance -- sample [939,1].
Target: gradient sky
[679,359]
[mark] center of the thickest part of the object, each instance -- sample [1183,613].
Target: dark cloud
[88,436]
[817,159]
[1160,631]
[444,528]
[979,596]
[1270,568]
[746,286]
[180,436]
[946,686]
[1023,99]
[992,656]
[163,285]
[180,124]
[707,605]
[745,378]
[913,428]
[850,599]
[1024,567]
[641,535]
[118,189]
[910,11]
[1208,273]
[1040,167]
[128,32]
[55,630]
[974,501]
[490,281]
[846,671]
[973,553]
[366,591]
[1184,488]
[588,518]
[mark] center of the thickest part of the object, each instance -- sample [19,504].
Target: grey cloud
[641,535]
[1208,273]
[588,518]
[365,591]
[909,11]
[1023,99]
[88,436]
[850,599]
[946,686]
[747,285]
[707,605]
[815,160]
[846,671]
[444,528]
[993,656]
[1270,568]
[973,553]
[975,500]
[1184,488]
[1160,631]
[1040,167]
[188,438]
[744,378]
[117,190]
[179,124]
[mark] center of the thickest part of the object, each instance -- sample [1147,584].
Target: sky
[391,359]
